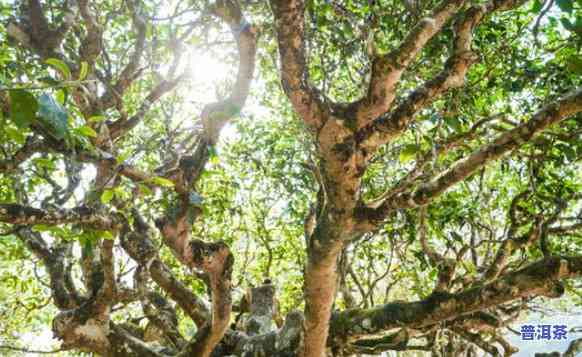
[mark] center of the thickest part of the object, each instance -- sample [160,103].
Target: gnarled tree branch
[25,215]
[290,26]
[387,69]
[538,279]
[550,114]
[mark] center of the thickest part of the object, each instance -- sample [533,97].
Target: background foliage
[259,182]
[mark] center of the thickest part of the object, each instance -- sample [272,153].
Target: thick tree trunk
[320,289]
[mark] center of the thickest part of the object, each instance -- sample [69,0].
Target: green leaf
[537,6]
[162,182]
[23,107]
[408,152]
[62,96]
[41,228]
[453,123]
[121,158]
[15,134]
[569,152]
[84,70]
[60,66]
[87,131]
[105,235]
[121,193]
[97,118]
[516,86]
[145,190]
[348,31]
[568,25]
[107,196]
[566,5]
[470,267]
[44,163]
[86,241]
[54,115]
